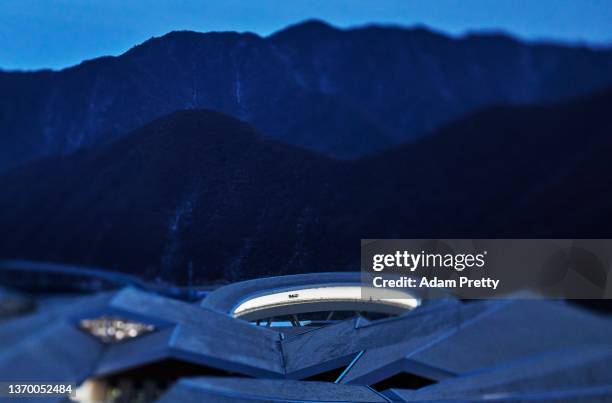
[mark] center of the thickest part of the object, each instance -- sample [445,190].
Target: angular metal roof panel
[265,390]
[514,329]
[59,351]
[197,334]
[564,371]
[309,349]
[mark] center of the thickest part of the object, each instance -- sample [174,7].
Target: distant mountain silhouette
[199,196]
[345,93]
[530,172]
[193,188]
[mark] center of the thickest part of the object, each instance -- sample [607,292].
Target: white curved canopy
[344,297]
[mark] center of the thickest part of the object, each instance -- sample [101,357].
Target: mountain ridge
[140,193]
[199,195]
[346,94]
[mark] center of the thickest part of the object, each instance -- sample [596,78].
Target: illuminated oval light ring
[316,299]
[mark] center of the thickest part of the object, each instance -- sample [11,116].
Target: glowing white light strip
[324,294]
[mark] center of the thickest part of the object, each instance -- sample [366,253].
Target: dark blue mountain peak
[343,92]
[192,39]
[200,190]
[307,27]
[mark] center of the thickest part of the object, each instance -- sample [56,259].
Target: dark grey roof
[567,372]
[45,345]
[501,331]
[192,333]
[304,352]
[265,390]
[512,329]
[184,331]
[487,349]
[59,351]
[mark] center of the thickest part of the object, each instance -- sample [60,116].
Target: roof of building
[468,350]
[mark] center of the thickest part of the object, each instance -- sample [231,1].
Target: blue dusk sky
[38,34]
